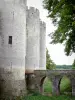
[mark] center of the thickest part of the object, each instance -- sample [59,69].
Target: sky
[56,51]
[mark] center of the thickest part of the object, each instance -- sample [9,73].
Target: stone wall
[36,41]
[22,39]
[42,65]
[33,40]
[12,54]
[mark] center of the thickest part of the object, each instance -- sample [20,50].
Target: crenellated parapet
[33,22]
[33,12]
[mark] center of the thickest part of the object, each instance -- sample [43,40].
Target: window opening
[10,39]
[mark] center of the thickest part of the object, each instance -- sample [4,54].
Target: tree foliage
[73,65]
[62,13]
[49,63]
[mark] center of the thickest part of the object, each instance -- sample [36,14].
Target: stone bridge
[35,80]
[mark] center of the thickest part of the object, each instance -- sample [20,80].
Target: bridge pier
[73,86]
[39,79]
[56,85]
[30,82]
[35,83]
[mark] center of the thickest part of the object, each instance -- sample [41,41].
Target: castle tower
[12,47]
[33,40]
[42,46]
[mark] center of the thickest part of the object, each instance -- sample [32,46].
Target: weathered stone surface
[27,46]
[30,81]
[12,56]
[73,86]
[11,86]
[55,76]
[33,39]
[36,41]
[42,62]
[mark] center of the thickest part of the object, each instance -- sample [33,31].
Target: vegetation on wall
[62,13]
[49,63]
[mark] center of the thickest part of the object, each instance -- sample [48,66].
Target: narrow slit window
[10,39]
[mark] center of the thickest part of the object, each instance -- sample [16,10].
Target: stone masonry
[23,52]
[55,76]
[20,46]
[36,42]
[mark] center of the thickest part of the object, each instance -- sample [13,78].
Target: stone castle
[22,45]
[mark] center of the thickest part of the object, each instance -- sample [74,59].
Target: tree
[73,65]
[49,63]
[62,13]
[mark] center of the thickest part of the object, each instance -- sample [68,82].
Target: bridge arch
[65,85]
[43,85]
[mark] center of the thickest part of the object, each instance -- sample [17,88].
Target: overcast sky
[56,51]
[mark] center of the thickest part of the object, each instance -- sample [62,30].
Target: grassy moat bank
[42,97]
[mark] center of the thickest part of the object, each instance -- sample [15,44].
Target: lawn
[47,86]
[41,97]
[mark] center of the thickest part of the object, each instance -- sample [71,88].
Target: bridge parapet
[51,73]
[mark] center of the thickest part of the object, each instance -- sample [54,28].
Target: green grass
[65,85]
[47,86]
[41,97]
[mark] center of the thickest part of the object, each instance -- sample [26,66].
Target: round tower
[42,46]
[33,40]
[12,47]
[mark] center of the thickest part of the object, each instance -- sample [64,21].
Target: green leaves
[49,63]
[62,13]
